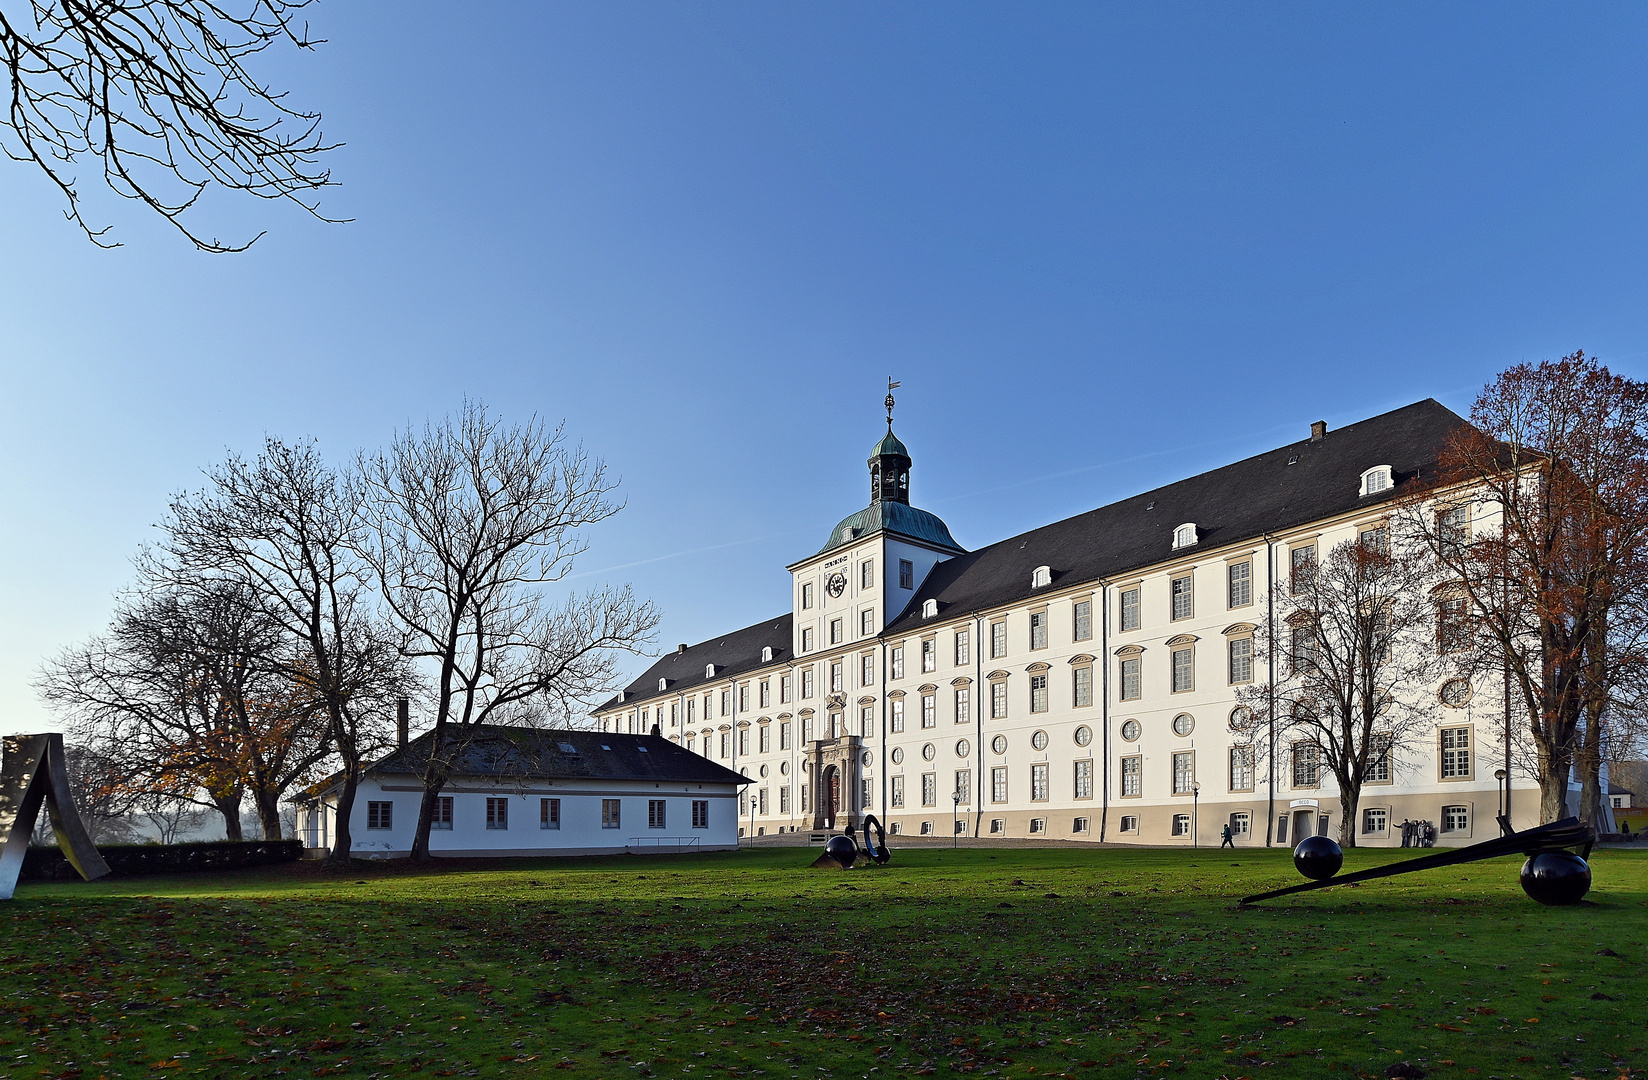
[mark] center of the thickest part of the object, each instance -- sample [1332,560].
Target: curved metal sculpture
[843,849]
[876,849]
[1318,857]
[1566,884]
[36,770]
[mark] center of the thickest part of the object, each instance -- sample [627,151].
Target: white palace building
[1074,682]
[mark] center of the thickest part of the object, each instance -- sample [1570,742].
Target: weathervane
[891,386]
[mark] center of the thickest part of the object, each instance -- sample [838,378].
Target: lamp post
[955,821]
[1195,815]
[1502,793]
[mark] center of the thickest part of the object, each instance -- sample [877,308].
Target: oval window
[868,759]
[999,744]
[784,768]
[927,752]
[1130,730]
[1240,717]
[962,748]
[1183,724]
[1084,735]
[1455,693]
[763,770]
[898,754]
[1039,740]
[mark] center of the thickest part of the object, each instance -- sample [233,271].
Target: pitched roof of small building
[732,654]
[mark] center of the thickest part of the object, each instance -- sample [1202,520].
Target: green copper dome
[889,446]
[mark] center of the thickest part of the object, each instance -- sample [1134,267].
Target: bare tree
[1357,663]
[286,528]
[158,93]
[171,816]
[1538,514]
[471,522]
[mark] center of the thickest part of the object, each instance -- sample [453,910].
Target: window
[1130,679]
[929,710]
[1307,764]
[1374,538]
[803,798]
[497,813]
[898,791]
[1456,753]
[1239,579]
[1184,673]
[929,655]
[766,694]
[743,742]
[1456,819]
[783,694]
[964,784]
[744,698]
[863,797]
[806,732]
[1081,687]
[692,710]
[784,799]
[1038,692]
[1453,531]
[764,740]
[443,813]
[1375,820]
[929,608]
[926,828]
[611,817]
[1129,823]
[1302,657]
[962,651]
[929,789]
[1083,788]
[1083,735]
[1038,629]
[964,704]
[549,813]
[998,701]
[806,684]
[1184,598]
[999,744]
[1452,630]
[1303,568]
[1181,824]
[1038,782]
[866,720]
[700,813]
[1130,730]
[1083,628]
[866,670]
[836,681]
[998,639]
[866,574]
[835,632]
[998,825]
[1241,660]
[726,702]
[806,639]
[726,744]
[1241,825]
[807,595]
[1184,724]
[784,735]
[1038,825]
[998,784]
[656,813]
[896,663]
[380,815]
[1184,772]
[1241,768]
[906,574]
[866,622]
[1130,608]
[897,721]
[1376,479]
[1132,777]
[1041,577]
[1379,759]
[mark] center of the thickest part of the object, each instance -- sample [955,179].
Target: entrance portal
[831,794]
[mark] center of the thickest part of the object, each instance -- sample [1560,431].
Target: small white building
[518,791]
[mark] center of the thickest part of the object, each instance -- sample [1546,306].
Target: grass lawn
[1008,962]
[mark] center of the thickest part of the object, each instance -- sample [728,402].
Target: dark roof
[732,654]
[1615,789]
[1282,488]
[894,517]
[889,446]
[508,753]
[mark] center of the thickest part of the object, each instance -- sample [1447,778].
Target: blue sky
[1103,247]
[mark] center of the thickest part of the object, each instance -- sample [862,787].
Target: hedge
[135,860]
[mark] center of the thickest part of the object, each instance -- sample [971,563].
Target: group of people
[1418,833]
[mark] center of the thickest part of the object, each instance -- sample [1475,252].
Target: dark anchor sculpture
[876,849]
[843,851]
[1552,875]
[35,770]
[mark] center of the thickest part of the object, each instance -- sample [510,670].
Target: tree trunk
[229,807]
[268,811]
[1554,766]
[342,841]
[1349,797]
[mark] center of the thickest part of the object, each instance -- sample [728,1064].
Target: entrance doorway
[832,795]
[1304,824]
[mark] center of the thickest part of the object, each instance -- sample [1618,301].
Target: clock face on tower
[836,583]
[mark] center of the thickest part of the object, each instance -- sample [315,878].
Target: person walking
[1224,838]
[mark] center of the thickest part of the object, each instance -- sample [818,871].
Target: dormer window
[1184,536]
[848,532]
[661,684]
[1041,577]
[766,655]
[1376,479]
[709,672]
[929,609]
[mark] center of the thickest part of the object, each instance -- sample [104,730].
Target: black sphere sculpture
[843,849]
[1318,857]
[1556,878]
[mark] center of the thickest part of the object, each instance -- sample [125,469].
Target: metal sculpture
[35,769]
[843,849]
[1318,857]
[1552,875]
[876,849]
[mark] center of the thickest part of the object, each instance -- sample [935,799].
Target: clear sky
[1102,246]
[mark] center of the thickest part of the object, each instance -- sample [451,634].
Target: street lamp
[1502,791]
[955,821]
[1195,815]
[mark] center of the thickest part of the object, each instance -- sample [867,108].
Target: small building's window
[1239,581]
[380,815]
[1130,609]
[1130,679]
[1081,686]
[1132,777]
[1241,660]
[549,813]
[1038,692]
[1038,825]
[998,784]
[1181,824]
[1184,597]
[1038,629]
[1079,825]
[964,704]
[1456,753]
[1184,670]
[1083,787]
[700,813]
[866,574]
[497,813]
[1082,621]
[998,700]
[963,652]
[611,813]
[1241,768]
[1129,823]
[998,825]
[906,574]
[998,639]
[1184,772]
[1456,818]
[442,818]
[1038,782]
[1184,536]
[929,656]
[656,813]
[1041,577]
[1375,820]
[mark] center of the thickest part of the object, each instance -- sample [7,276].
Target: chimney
[403,721]
[655,730]
[681,648]
[1317,430]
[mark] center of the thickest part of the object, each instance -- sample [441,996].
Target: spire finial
[891,386]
